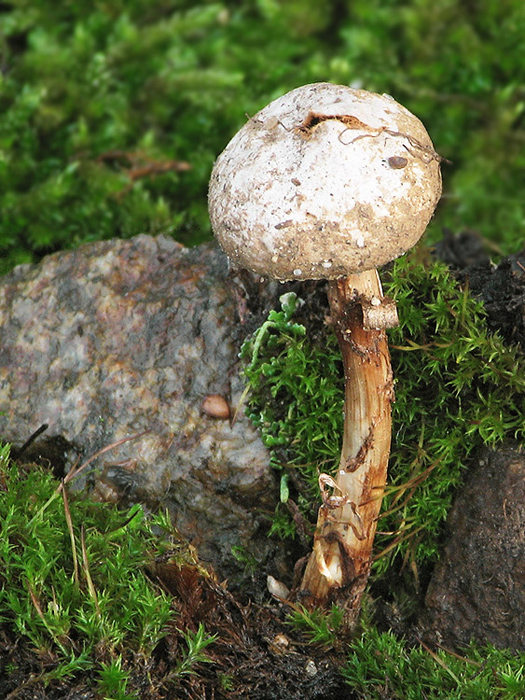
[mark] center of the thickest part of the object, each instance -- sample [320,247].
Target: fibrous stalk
[339,566]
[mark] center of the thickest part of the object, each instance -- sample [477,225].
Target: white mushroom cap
[323,182]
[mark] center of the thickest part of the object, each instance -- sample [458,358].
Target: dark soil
[257,655]
[477,591]
[500,287]
[256,650]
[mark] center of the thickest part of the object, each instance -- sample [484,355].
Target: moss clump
[378,664]
[381,665]
[74,592]
[458,387]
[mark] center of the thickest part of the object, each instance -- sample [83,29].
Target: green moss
[288,377]
[380,665]
[319,626]
[73,583]
[86,87]
[458,387]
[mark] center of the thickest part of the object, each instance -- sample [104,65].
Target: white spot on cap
[357,239]
[297,272]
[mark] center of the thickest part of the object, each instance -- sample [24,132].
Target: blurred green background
[112,112]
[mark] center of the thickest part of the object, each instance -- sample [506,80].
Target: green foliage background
[91,91]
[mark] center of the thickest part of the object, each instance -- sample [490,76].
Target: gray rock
[125,339]
[478,588]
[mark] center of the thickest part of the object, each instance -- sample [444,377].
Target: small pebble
[311,668]
[277,588]
[281,641]
[216,406]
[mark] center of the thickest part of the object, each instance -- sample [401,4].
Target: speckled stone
[126,338]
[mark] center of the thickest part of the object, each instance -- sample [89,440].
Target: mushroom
[328,182]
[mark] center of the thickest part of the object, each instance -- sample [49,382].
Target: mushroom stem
[339,566]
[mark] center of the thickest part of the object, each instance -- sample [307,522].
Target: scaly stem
[339,566]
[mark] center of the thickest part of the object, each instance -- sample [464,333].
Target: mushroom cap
[323,182]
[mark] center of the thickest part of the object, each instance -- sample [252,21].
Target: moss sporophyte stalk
[457,388]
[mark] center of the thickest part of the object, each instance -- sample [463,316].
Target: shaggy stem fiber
[339,566]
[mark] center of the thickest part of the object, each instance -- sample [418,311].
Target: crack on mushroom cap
[313,119]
